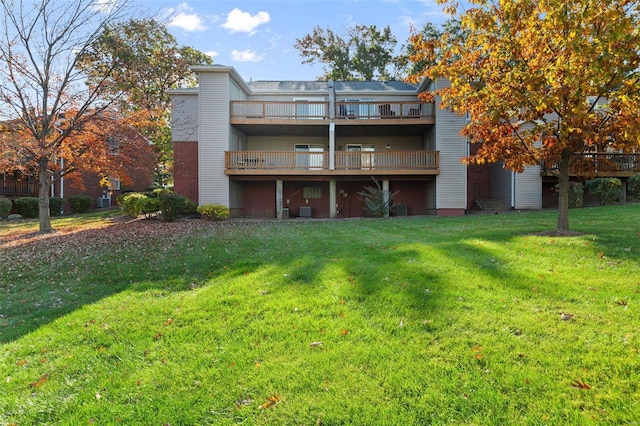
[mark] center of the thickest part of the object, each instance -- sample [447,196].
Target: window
[312,192]
[309,156]
[113,145]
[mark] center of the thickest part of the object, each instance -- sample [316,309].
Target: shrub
[56,206]
[80,203]
[576,194]
[5,207]
[377,200]
[213,211]
[129,203]
[171,204]
[136,203]
[633,185]
[606,189]
[27,206]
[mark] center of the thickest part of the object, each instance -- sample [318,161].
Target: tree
[365,54]
[542,80]
[52,111]
[143,61]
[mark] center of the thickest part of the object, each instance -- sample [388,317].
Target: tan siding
[184,117]
[452,180]
[236,93]
[214,136]
[529,189]
[282,143]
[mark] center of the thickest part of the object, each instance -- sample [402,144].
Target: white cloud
[212,53]
[245,56]
[244,22]
[182,17]
[105,6]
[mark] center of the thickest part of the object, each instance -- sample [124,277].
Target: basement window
[312,192]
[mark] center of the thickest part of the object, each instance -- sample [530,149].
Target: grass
[471,320]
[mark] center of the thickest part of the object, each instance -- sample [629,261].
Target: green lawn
[470,320]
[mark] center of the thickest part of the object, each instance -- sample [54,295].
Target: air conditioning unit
[305,211]
[400,209]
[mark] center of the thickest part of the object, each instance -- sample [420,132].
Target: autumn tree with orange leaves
[49,109]
[541,80]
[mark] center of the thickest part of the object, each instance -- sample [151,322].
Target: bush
[129,203]
[633,186]
[377,200]
[136,203]
[56,205]
[213,211]
[606,189]
[576,194]
[27,206]
[5,207]
[171,204]
[80,203]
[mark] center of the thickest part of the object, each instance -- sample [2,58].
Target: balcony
[602,164]
[19,188]
[317,112]
[274,163]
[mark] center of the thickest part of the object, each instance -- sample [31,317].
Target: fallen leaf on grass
[622,302]
[40,381]
[566,316]
[22,362]
[157,336]
[315,344]
[270,402]
[243,401]
[580,385]
[169,321]
[344,331]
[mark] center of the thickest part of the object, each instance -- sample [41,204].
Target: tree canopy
[142,60]
[364,53]
[540,80]
[50,108]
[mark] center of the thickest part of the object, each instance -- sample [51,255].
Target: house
[276,149]
[135,158]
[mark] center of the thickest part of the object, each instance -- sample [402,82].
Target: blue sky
[257,36]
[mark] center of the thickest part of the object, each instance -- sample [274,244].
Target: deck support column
[333,205]
[279,191]
[385,191]
[332,146]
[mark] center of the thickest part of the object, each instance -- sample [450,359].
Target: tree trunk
[563,192]
[43,195]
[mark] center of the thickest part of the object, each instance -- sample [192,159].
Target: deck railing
[319,110]
[384,109]
[13,188]
[602,163]
[345,160]
[387,160]
[605,162]
[279,109]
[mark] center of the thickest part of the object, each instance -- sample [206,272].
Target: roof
[350,86]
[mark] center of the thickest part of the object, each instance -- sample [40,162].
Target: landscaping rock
[14,216]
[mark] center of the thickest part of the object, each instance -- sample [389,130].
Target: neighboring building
[139,163]
[274,149]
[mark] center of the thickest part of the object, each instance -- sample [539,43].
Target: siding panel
[213,137]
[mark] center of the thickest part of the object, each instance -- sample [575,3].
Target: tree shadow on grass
[406,258]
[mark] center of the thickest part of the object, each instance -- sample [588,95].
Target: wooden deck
[314,113]
[19,188]
[601,165]
[317,163]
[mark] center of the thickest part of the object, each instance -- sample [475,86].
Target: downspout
[513,190]
[332,125]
